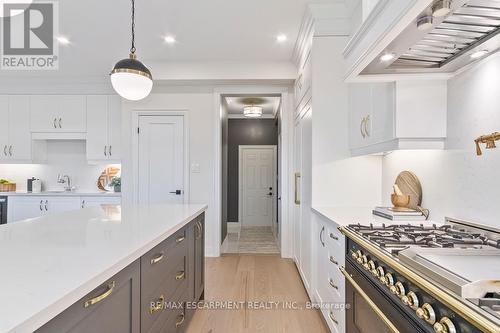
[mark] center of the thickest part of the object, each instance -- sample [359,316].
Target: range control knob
[400,289]
[380,273]
[411,300]
[426,312]
[360,257]
[389,280]
[356,254]
[445,325]
[372,268]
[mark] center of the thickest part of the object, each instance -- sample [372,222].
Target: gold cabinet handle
[180,275]
[157,258]
[370,302]
[101,297]
[157,305]
[180,320]
[180,239]
[297,178]
[332,318]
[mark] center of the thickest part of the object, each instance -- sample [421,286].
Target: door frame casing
[240,179]
[136,114]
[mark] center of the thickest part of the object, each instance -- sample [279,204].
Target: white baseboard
[233,227]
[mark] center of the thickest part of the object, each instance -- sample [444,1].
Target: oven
[381,300]
[3,210]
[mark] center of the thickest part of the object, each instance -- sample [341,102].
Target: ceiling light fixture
[387,57]
[252,111]
[479,54]
[63,40]
[281,38]
[425,23]
[441,8]
[170,40]
[130,78]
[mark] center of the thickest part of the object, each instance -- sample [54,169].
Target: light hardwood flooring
[253,278]
[251,240]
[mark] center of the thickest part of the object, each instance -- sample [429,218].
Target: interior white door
[257,185]
[161,159]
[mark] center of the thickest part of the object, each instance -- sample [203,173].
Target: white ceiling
[206,30]
[235,104]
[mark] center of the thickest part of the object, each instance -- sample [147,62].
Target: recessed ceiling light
[387,56]
[170,39]
[441,8]
[425,23]
[479,54]
[281,38]
[63,40]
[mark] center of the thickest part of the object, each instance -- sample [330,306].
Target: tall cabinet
[15,135]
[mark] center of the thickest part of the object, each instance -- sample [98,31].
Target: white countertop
[49,263]
[62,193]
[344,216]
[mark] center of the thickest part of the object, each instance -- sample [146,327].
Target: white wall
[456,182]
[200,109]
[65,157]
[338,179]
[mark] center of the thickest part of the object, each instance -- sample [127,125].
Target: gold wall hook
[489,140]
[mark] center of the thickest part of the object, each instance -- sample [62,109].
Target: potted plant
[116,182]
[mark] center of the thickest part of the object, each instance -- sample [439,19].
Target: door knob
[177,192]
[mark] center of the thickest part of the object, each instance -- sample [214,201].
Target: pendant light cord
[132,49]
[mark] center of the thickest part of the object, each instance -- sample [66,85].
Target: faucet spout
[65,180]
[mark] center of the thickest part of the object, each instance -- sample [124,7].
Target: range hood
[432,44]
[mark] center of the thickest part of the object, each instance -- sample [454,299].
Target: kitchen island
[54,261]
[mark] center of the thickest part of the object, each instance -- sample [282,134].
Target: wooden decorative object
[409,184]
[106,177]
[7,187]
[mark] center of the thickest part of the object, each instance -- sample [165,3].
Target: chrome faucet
[65,180]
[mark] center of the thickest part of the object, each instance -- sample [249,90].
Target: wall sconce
[489,140]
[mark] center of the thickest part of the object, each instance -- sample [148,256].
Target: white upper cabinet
[402,115]
[103,128]
[58,114]
[15,136]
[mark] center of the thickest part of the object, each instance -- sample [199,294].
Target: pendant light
[130,78]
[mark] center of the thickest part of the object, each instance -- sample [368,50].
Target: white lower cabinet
[25,207]
[328,282]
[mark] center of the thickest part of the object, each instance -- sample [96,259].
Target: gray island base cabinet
[149,295]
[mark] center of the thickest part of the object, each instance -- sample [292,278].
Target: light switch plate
[195,168]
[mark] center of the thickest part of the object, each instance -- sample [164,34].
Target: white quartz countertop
[49,263]
[62,193]
[344,216]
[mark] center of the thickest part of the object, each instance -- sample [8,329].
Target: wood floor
[251,240]
[253,278]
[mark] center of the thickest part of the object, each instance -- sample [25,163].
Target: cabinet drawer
[157,263]
[112,307]
[335,237]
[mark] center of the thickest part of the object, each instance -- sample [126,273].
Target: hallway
[250,240]
[248,278]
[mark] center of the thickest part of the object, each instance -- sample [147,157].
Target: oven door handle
[368,300]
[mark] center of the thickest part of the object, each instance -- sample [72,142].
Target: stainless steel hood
[469,32]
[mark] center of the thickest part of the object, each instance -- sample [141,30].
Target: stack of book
[399,214]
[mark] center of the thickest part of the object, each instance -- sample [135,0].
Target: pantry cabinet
[58,114]
[397,115]
[103,128]
[15,136]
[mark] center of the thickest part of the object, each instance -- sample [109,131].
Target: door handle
[46,205]
[176,192]
[10,150]
[321,236]
[367,119]
[297,199]
[55,122]
[5,150]
[109,150]
[362,127]
[83,203]
[105,150]
[41,203]
[60,122]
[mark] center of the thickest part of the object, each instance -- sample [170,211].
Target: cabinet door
[19,128]
[62,204]
[97,127]
[98,201]
[381,122]
[4,127]
[44,113]
[21,208]
[113,307]
[199,258]
[72,114]
[115,128]
[360,108]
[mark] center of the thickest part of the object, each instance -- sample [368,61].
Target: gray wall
[244,132]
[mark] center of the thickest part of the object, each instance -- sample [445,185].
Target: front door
[257,185]
[161,159]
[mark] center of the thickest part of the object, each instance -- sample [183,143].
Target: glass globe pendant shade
[131,79]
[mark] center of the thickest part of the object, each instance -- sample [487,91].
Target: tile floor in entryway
[250,240]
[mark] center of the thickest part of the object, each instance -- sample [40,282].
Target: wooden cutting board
[409,184]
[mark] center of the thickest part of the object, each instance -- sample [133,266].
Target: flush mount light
[130,78]
[170,40]
[387,57]
[63,40]
[441,8]
[425,23]
[281,38]
[479,54]
[252,111]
